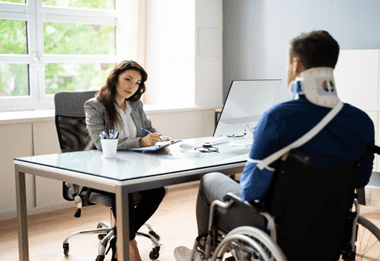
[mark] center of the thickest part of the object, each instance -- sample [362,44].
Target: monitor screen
[245,103]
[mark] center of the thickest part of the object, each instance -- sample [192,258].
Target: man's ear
[298,67]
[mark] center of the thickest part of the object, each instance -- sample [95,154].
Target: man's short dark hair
[315,49]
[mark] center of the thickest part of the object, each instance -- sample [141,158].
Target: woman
[117,106]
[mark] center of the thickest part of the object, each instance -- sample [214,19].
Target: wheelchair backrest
[310,205]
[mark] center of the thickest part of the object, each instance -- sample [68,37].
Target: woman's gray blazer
[97,121]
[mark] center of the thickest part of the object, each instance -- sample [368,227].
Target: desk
[129,172]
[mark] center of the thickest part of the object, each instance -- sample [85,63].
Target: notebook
[157,146]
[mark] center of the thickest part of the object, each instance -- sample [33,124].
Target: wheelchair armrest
[301,157]
[256,207]
[373,148]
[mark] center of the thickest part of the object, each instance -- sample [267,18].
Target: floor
[174,221]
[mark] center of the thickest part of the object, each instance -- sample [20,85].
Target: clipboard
[157,146]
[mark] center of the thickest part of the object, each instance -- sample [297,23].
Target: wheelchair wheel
[250,244]
[367,240]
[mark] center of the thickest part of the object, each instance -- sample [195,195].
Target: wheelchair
[352,238]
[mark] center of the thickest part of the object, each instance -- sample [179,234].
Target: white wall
[209,53]
[184,53]
[358,83]
[185,124]
[9,149]
[257,33]
[170,48]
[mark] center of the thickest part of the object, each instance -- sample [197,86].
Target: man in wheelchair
[309,201]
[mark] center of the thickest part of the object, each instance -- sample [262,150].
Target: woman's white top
[128,129]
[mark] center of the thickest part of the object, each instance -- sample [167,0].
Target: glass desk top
[132,165]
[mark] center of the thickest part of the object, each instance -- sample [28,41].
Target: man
[311,57]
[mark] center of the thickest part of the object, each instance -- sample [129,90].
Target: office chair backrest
[310,205]
[70,122]
[70,119]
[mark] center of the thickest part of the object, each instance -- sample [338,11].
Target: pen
[111,133]
[146,131]
[103,135]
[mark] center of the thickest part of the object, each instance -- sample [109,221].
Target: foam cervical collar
[318,85]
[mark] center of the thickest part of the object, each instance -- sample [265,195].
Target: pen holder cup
[109,147]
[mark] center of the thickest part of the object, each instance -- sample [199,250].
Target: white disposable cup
[109,147]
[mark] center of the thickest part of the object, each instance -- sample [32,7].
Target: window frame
[35,14]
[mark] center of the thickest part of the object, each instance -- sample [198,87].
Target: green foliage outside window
[76,76]
[13,1]
[99,4]
[14,80]
[13,77]
[12,37]
[77,39]
[59,39]
[69,38]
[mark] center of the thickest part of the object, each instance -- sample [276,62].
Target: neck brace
[318,85]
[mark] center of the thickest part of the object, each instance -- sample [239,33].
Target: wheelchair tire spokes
[249,244]
[368,241]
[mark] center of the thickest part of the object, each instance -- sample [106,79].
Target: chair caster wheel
[66,249]
[100,236]
[154,254]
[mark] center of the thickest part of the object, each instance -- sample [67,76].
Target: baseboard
[37,210]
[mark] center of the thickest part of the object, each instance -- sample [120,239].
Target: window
[48,46]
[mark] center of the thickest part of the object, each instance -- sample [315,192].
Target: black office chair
[309,216]
[73,136]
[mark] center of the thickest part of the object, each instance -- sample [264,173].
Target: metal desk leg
[122,217]
[22,225]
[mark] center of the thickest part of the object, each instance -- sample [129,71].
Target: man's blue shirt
[344,139]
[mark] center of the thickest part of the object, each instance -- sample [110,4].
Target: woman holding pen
[117,106]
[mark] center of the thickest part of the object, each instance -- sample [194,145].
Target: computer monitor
[245,103]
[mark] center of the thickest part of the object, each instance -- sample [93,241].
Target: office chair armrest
[65,192]
[256,207]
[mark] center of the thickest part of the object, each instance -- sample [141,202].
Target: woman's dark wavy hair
[315,49]
[107,94]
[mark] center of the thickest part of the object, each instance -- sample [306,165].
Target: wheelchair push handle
[374,149]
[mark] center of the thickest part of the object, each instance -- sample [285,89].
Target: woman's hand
[150,139]
[165,138]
